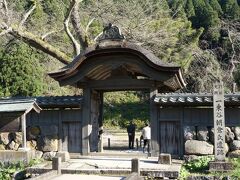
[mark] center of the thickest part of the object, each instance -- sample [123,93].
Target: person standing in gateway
[146,134]
[131,135]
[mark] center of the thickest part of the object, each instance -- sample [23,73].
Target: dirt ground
[118,139]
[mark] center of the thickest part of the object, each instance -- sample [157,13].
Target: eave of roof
[19,105]
[120,47]
[194,99]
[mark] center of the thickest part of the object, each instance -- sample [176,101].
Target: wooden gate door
[72,137]
[170,137]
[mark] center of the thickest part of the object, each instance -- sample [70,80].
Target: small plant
[198,165]
[8,169]
[184,173]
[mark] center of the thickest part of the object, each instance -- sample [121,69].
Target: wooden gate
[170,137]
[72,137]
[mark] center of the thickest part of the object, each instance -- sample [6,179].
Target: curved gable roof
[106,58]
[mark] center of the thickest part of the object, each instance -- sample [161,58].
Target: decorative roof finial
[111,32]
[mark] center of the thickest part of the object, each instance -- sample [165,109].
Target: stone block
[189,133]
[229,135]
[234,154]
[49,156]
[32,144]
[47,143]
[164,159]
[64,155]
[198,147]
[202,133]
[17,137]
[235,145]
[38,154]
[5,138]
[236,131]
[220,166]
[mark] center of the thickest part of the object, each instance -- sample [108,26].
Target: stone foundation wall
[42,139]
[200,140]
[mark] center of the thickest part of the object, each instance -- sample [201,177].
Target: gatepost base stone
[220,166]
[164,159]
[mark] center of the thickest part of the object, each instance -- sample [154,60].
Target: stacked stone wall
[199,140]
[42,139]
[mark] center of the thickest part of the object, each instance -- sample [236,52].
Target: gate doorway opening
[119,109]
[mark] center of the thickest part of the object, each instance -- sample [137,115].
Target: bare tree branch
[44,36]
[5,31]
[5,5]
[38,43]
[28,13]
[81,34]
[89,24]
[76,45]
[231,61]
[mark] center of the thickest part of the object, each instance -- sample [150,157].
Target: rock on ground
[202,133]
[235,145]
[47,143]
[236,131]
[229,135]
[48,156]
[234,154]
[189,133]
[198,147]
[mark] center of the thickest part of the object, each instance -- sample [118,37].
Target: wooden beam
[121,84]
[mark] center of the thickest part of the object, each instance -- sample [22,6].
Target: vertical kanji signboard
[219,121]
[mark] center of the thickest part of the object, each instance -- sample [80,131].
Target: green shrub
[8,169]
[198,165]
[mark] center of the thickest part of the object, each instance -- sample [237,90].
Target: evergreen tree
[189,9]
[20,71]
[207,18]
[230,8]
[178,8]
[216,7]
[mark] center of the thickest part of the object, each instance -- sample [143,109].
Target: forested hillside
[36,37]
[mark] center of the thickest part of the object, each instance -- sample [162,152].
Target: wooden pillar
[60,134]
[86,115]
[154,124]
[24,136]
[100,121]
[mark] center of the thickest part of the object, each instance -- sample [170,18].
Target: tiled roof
[194,99]
[18,105]
[59,101]
[48,101]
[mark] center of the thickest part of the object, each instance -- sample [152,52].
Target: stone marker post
[56,164]
[219,122]
[136,166]
[219,163]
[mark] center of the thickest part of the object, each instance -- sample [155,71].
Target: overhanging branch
[28,13]
[76,45]
[38,43]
